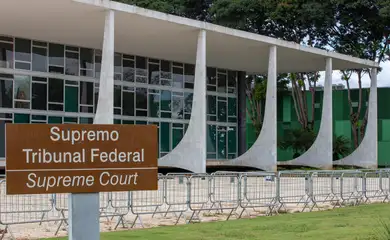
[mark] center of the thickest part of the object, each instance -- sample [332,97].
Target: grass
[368,222]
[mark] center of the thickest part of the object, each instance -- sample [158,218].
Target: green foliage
[341,147]
[299,140]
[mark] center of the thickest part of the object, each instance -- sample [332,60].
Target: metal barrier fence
[222,195]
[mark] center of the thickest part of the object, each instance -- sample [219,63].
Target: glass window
[178,77]
[128,70]
[187,105]
[117,121]
[232,141]
[118,66]
[39,95]
[177,135]
[71,99]
[232,107]
[55,120]
[86,93]
[70,120]
[22,50]
[21,118]
[39,59]
[232,80]
[189,75]
[211,108]
[211,141]
[154,74]
[141,66]
[22,91]
[222,114]
[177,107]
[86,59]
[6,55]
[166,100]
[56,58]
[56,90]
[117,96]
[72,63]
[2,136]
[165,70]
[154,105]
[84,120]
[142,98]
[165,130]
[6,92]
[222,154]
[211,76]
[128,103]
[221,83]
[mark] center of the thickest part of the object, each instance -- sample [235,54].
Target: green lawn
[362,222]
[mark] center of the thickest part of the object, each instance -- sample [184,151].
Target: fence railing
[184,196]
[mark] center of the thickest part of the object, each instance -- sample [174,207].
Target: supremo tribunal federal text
[74,137]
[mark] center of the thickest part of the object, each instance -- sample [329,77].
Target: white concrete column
[320,154]
[366,154]
[262,154]
[191,152]
[84,208]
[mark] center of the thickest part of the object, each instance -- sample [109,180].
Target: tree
[361,32]
[299,140]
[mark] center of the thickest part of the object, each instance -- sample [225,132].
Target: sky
[383,78]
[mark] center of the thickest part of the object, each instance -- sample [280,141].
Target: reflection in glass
[221,83]
[39,96]
[128,103]
[177,107]
[22,50]
[56,54]
[39,59]
[6,55]
[165,100]
[222,142]
[189,75]
[117,96]
[154,105]
[86,93]
[154,74]
[141,66]
[141,98]
[22,91]
[187,105]
[211,141]
[128,70]
[178,77]
[72,63]
[222,114]
[177,135]
[56,90]
[6,92]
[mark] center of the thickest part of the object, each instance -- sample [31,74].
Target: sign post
[77,158]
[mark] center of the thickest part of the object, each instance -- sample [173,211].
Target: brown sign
[78,158]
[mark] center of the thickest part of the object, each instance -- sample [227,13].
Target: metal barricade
[351,187]
[373,186]
[294,188]
[147,202]
[258,190]
[21,209]
[176,195]
[325,187]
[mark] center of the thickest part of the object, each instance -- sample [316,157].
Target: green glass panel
[128,122]
[177,135]
[166,98]
[21,118]
[117,121]
[141,122]
[71,99]
[55,120]
[232,140]
[70,120]
[232,107]
[164,139]
[166,115]
[221,111]
[286,109]
[84,120]
[211,139]
[222,154]
[386,130]
[211,104]
[154,105]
